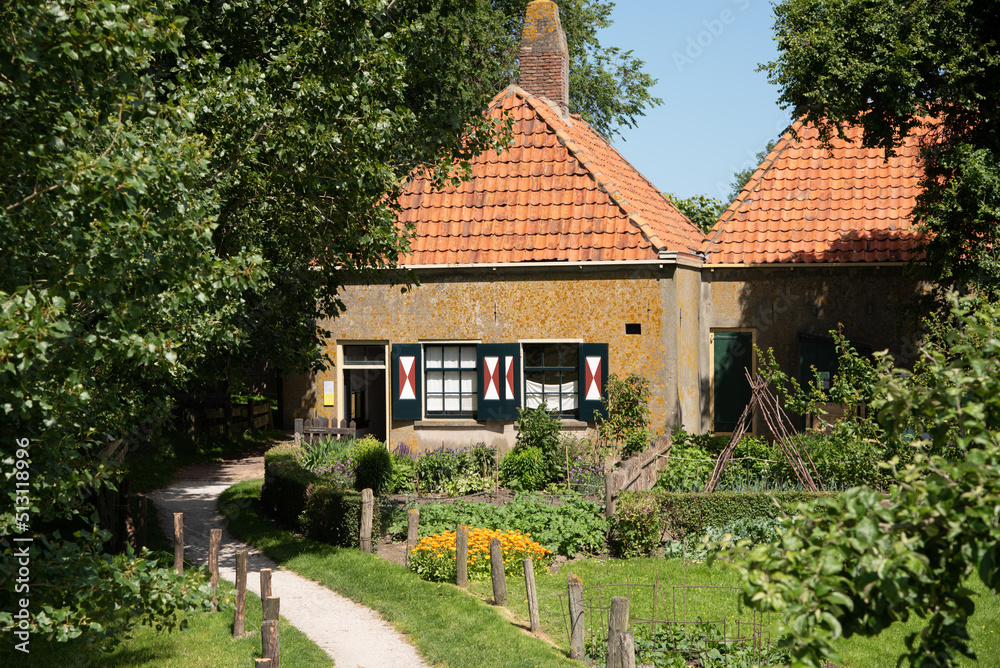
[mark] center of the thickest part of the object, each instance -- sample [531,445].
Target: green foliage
[635,528]
[537,458]
[571,525]
[852,63]
[701,210]
[626,402]
[321,453]
[457,472]
[758,531]
[690,464]
[332,515]
[857,563]
[372,465]
[404,471]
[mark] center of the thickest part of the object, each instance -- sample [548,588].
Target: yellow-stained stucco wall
[782,303]
[510,305]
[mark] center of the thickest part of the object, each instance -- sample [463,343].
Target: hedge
[314,505]
[642,519]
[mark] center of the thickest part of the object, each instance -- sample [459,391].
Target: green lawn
[208,641]
[447,626]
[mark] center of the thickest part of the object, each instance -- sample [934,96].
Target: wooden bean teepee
[780,424]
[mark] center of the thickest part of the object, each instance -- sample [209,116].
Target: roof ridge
[783,143]
[604,184]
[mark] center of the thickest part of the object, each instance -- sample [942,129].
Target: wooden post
[627,642]
[265,587]
[214,541]
[496,570]
[272,606]
[269,641]
[576,628]
[462,555]
[529,584]
[239,620]
[367,508]
[412,531]
[617,625]
[261,663]
[609,494]
[143,516]
[179,543]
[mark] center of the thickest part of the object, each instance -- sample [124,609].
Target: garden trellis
[784,433]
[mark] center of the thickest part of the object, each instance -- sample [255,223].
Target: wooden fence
[219,417]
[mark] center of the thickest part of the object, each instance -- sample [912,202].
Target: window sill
[448,423]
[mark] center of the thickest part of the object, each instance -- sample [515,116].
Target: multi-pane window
[450,380]
[552,376]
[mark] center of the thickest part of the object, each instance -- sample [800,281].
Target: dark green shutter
[498,380]
[407,390]
[819,353]
[593,380]
[733,357]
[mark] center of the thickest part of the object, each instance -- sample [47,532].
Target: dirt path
[353,635]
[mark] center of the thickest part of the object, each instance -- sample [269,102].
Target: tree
[701,210]
[901,68]
[607,86]
[857,563]
[184,183]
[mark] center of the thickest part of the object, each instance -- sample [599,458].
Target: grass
[713,604]
[447,626]
[207,641]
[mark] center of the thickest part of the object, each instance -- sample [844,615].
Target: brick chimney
[544,58]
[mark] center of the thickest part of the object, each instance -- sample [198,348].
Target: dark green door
[733,358]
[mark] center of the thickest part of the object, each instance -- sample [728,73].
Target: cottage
[815,240]
[556,264]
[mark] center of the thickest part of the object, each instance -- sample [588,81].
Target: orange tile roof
[559,193]
[806,204]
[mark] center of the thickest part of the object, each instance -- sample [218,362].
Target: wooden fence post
[261,663]
[179,543]
[367,508]
[576,627]
[462,555]
[609,494]
[239,620]
[617,625]
[529,584]
[269,631]
[496,570]
[265,587]
[412,531]
[214,542]
[627,642]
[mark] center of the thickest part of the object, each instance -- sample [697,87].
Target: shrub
[372,465]
[434,557]
[690,464]
[404,470]
[524,470]
[635,528]
[626,403]
[322,452]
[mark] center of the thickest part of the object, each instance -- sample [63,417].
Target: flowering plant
[434,557]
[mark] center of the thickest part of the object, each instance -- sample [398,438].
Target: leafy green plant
[636,528]
[524,469]
[537,458]
[456,472]
[372,465]
[689,466]
[626,403]
[322,452]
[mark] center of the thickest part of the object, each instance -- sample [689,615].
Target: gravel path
[353,635]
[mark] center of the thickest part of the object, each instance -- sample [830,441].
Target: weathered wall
[509,305]
[781,303]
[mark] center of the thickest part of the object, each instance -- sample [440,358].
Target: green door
[733,358]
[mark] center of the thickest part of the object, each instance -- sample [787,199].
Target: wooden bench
[321,427]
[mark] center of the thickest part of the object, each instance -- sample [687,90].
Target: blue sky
[717,112]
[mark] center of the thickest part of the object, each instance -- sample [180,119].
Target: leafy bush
[760,531]
[434,557]
[322,452]
[537,455]
[524,470]
[626,403]
[635,527]
[572,526]
[404,470]
[455,472]
[332,515]
[372,465]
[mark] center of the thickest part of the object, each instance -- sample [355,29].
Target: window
[450,380]
[552,376]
